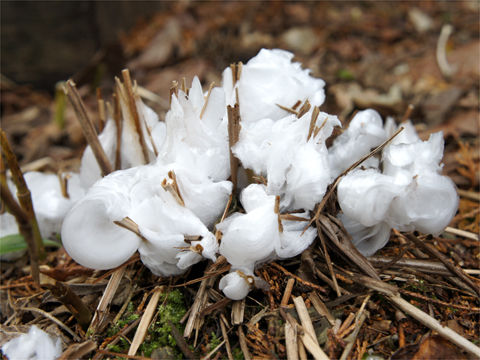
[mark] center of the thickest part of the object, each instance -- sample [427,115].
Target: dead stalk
[88,128]
[233,136]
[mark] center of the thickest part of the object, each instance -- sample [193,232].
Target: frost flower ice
[291,154]
[268,80]
[35,345]
[409,194]
[165,223]
[258,236]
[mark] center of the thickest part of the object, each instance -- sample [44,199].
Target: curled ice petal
[367,239]
[257,237]
[270,79]
[363,134]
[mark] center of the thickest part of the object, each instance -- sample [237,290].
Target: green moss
[171,309]
[214,341]
[237,354]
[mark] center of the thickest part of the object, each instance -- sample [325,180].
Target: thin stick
[291,341]
[313,121]
[145,322]
[117,117]
[87,128]
[288,292]
[352,337]
[225,336]
[107,297]
[299,279]
[456,270]
[328,260]
[321,308]
[408,112]
[433,324]
[101,110]
[243,344]
[134,112]
[204,107]
[233,136]
[469,194]
[54,319]
[305,317]
[463,233]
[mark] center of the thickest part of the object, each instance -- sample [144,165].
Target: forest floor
[379,55]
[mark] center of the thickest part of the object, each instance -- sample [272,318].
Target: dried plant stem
[88,128]
[305,318]
[243,344]
[456,270]
[445,68]
[107,297]
[299,279]
[223,327]
[321,308]
[351,339]
[408,112]
[53,319]
[134,112]
[117,117]
[101,111]
[28,226]
[291,341]
[233,136]
[72,301]
[205,104]
[288,292]
[391,292]
[472,195]
[145,322]
[463,233]
[329,261]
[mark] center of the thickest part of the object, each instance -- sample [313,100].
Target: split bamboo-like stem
[88,128]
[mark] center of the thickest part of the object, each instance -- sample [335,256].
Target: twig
[243,344]
[107,297]
[321,308]
[225,336]
[207,97]
[26,219]
[288,292]
[469,194]
[445,68]
[145,322]
[408,112]
[463,233]
[54,319]
[328,261]
[233,136]
[101,111]
[291,341]
[78,351]
[352,337]
[72,301]
[88,128]
[456,270]
[305,318]
[206,357]
[299,279]
[117,117]
[391,292]
[134,113]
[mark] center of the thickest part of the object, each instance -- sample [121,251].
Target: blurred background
[384,55]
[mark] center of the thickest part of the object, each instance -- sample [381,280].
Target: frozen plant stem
[87,127]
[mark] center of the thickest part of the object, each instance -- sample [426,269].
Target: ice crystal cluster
[167,202]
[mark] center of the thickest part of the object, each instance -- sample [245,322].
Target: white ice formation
[408,194]
[258,236]
[34,345]
[166,199]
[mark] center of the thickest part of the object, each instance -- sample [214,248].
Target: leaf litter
[354,308]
